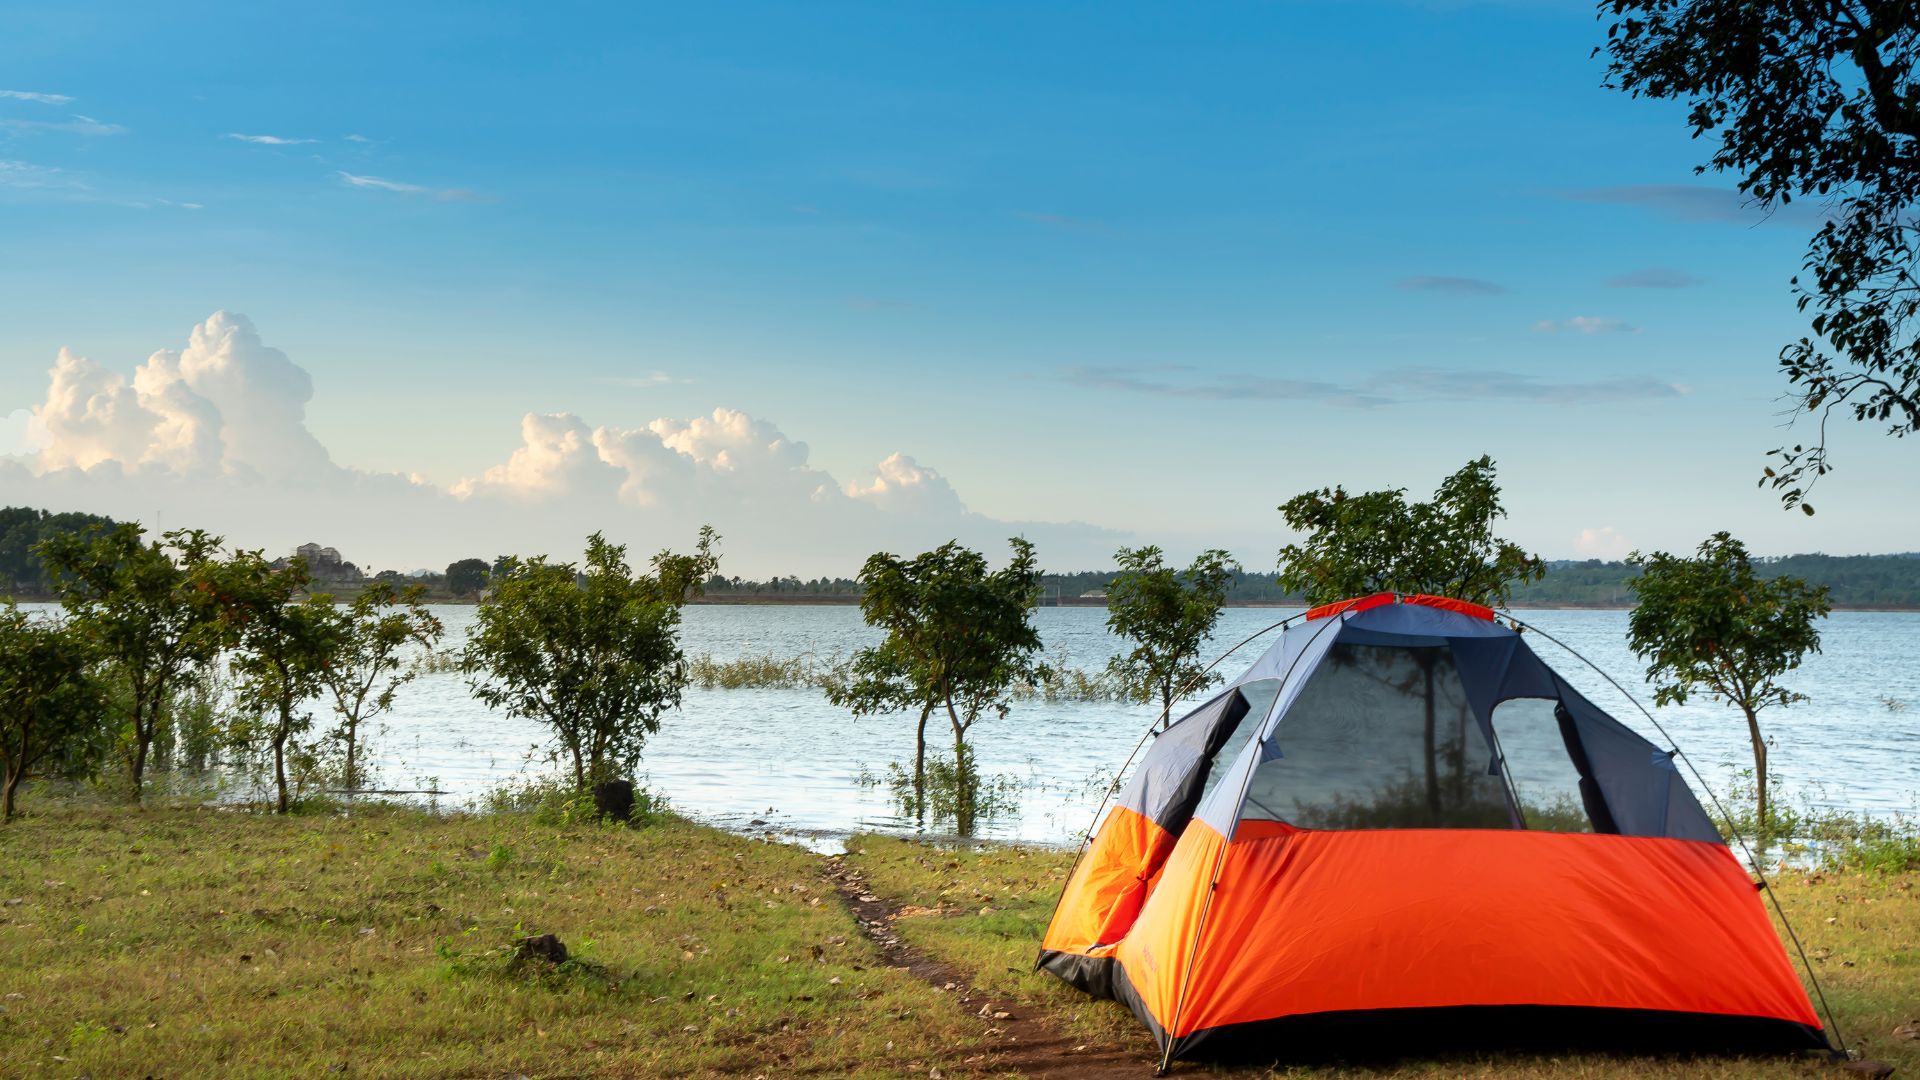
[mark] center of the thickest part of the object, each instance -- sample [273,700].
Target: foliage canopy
[1711,623]
[1809,100]
[51,700]
[371,666]
[959,637]
[591,651]
[1378,541]
[1167,614]
[159,610]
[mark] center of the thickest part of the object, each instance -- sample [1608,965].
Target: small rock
[1877,1070]
[545,947]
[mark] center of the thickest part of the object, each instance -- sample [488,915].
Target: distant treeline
[1857,581]
[21,571]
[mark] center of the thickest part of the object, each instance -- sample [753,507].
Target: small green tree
[1377,541]
[1168,615]
[1710,623]
[285,647]
[959,636]
[371,666]
[467,577]
[155,610]
[50,700]
[592,651]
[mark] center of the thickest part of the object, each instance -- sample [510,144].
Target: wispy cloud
[29,95]
[399,187]
[1390,387]
[646,380]
[1062,221]
[1459,286]
[378,184]
[1687,202]
[268,140]
[1654,277]
[1178,380]
[21,174]
[1465,385]
[78,125]
[1585,324]
[358,139]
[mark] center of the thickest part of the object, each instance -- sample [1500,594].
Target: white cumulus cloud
[215,435]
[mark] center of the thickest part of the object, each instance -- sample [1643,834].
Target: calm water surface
[790,760]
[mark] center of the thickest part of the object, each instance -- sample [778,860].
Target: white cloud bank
[214,435]
[1604,542]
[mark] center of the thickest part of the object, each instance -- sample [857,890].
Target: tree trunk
[920,765]
[1166,705]
[963,780]
[353,777]
[13,783]
[1765,826]
[142,738]
[280,749]
[1433,764]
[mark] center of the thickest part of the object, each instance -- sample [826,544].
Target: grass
[200,943]
[192,941]
[983,909]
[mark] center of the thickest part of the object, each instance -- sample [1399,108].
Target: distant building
[325,563]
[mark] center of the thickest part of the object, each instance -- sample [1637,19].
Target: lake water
[791,760]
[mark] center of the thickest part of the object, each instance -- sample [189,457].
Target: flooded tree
[1711,623]
[1378,541]
[157,610]
[50,698]
[959,637]
[1167,614]
[591,650]
[284,646]
[382,624]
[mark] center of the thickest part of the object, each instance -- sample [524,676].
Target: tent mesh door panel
[1380,738]
[1546,783]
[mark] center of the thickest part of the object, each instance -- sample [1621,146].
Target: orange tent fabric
[1228,928]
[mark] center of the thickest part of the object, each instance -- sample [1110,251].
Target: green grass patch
[187,942]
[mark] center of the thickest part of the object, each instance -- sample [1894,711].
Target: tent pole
[1213,878]
[1732,827]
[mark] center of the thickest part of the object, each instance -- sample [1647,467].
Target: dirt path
[1024,1043]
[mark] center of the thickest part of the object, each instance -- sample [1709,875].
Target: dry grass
[983,910]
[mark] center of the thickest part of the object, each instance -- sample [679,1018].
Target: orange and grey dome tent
[1401,826]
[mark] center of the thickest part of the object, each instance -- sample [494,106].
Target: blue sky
[1146,267]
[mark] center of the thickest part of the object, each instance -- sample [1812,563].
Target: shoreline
[840,600]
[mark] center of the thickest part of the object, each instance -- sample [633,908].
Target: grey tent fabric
[1643,789]
[1167,785]
[1432,758]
